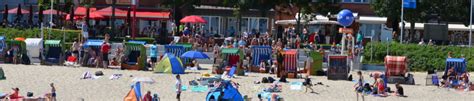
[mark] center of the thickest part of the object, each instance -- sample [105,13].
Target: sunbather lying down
[275,87]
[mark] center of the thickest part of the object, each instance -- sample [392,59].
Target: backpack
[270,80]
[99,73]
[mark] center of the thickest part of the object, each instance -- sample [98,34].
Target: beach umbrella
[144,80]
[195,55]
[95,16]
[19,15]
[169,64]
[30,17]
[5,13]
[193,19]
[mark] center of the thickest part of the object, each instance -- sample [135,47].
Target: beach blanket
[199,88]
[296,85]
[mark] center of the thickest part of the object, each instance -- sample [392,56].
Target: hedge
[421,57]
[56,34]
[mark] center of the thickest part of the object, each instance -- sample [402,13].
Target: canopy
[395,65]
[170,64]
[54,12]
[108,11]
[68,17]
[15,10]
[137,42]
[55,43]
[459,65]
[193,19]
[95,15]
[93,43]
[33,46]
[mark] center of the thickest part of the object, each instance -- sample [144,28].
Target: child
[359,85]
[262,66]
[399,90]
[307,83]
[381,87]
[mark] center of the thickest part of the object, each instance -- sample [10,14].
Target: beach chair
[291,63]
[338,67]
[53,53]
[260,53]
[459,65]
[396,69]
[133,51]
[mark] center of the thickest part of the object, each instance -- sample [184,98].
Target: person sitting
[381,87]
[71,60]
[147,96]
[114,62]
[262,67]
[283,77]
[399,91]
[15,94]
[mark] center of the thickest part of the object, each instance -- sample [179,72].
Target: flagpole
[403,25]
[470,25]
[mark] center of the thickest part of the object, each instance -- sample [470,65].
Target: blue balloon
[345,17]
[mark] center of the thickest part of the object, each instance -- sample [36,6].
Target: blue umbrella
[195,55]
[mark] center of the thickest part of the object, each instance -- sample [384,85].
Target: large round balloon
[345,17]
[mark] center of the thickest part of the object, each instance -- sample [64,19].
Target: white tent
[33,48]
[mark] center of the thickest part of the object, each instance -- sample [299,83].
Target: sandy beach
[36,79]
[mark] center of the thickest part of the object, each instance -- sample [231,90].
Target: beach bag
[265,80]
[349,78]
[2,74]
[99,73]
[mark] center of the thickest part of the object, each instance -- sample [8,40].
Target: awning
[451,27]
[93,43]
[108,12]
[137,42]
[53,42]
[49,11]
[15,10]
[372,20]
[81,11]
[148,15]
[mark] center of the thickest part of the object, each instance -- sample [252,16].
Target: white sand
[69,87]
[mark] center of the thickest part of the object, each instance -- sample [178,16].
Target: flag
[409,4]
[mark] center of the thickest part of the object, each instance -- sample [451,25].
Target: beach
[69,86]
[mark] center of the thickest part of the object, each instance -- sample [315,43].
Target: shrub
[421,58]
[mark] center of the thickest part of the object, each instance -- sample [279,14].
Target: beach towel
[86,75]
[183,88]
[199,88]
[115,76]
[296,85]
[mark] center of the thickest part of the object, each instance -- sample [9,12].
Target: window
[254,24]
[355,1]
[212,26]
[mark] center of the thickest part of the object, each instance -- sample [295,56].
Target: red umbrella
[96,16]
[193,19]
[54,12]
[68,17]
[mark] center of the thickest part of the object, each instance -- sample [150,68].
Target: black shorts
[153,59]
[105,57]
[178,96]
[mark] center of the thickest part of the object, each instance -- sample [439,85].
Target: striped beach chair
[290,62]
[396,65]
[261,53]
[178,50]
[459,65]
[338,67]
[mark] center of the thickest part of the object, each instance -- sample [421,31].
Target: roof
[455,60]
[91,42]
[185,45]
[52,42]
[108,11]
[291,51]
[137,42]
[230,51]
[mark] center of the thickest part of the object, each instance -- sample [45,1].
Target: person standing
[153,54]
[178,87]
[75,48]
[307,83]
[105,48]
